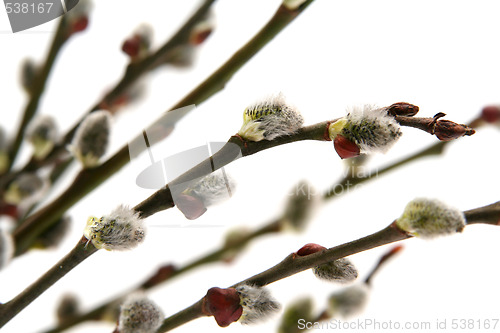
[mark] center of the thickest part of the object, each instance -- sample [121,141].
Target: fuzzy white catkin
[6,247]
[42,134]
[121,230]
[300,206]
[348,301]
[269,119]
[25,189]
[340,270]
[138,314]
[301,309]
[257,303]
[429,218]
[372,129]
[213,188]
[28,72]
[92,138]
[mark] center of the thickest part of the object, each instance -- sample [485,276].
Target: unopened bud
[92,138]
[257,304]
[4,154]
[191,206]
[42,134]
[68,308]
[9,210]
[210,190]
[200,32]
[309,248]
[223,304]
[491,113]
[446,130]
[6,247]
[269,119]
[402,109]
[428,218]
[300,207]
[25,189]
[294,313]
[121,230]
[234,242]
[348,301]
[369,128]
[138,314]
[139,43]
[79,24]
[78,16]
[29,71]
[54,235]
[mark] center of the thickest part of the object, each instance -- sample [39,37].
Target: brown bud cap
[68,308]
[132,46]
[310,248]
[491,113]
[403,109]
[79,24]
[345,147]
[223,304]
[198,36]
[191,206]
[446,130]
[9,210]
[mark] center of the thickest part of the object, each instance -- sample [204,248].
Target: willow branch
[39,83]
[387,256]
[294,264]
[274,226]
[167,274]
[238,147]
[80,252]
[42,220]
[133,72]
[353,179]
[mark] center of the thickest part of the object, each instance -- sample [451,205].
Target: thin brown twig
[236,147]
[39,83]
[171,272]
[133,72]
[78,254]
[293,264]
[274,226]
[43,219]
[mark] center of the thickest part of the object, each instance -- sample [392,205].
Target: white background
[443,56]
